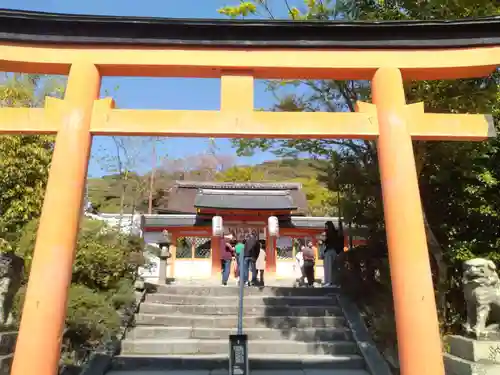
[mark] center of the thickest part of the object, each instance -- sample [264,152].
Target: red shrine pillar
[419,342]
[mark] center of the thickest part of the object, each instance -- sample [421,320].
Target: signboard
[241,231]
[238,355]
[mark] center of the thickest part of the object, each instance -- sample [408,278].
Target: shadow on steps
[214,362]
[182,327]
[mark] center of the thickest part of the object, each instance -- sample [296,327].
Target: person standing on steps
[299,266]
[260,264]
[227,255]
[238,248]
[309,261]
[251,253]
[334,245]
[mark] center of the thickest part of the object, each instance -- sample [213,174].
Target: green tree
[24,160]
[458,180]
[240,174]
[104,271]
[106,260]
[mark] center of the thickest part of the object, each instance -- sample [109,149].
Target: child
[261,265]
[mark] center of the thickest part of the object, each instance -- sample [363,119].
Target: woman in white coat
[260,265]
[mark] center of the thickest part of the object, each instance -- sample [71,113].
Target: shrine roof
[173,220]
[187,196]
[40,27]
[245,199]
[153,222]
[239,185]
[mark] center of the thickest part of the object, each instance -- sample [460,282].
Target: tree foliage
[321,201]
[102,283]
[240,174]
[106,260]
[458,180]
[24,160]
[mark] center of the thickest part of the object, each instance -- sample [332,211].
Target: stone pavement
[216,281]
[256,372]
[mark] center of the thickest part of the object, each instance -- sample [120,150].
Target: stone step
[164,309]
[6,363]
[281,322]
[250,300]
[219,362]
[254,372]
[455,365]
[194,346]
[221,291]
[474,350]
[305,334]
[7,342]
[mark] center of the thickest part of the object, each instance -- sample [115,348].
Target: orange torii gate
[88,48]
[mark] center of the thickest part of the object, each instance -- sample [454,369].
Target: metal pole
[242,286]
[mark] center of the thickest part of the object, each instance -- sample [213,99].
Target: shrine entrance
[245,208]
[238,52]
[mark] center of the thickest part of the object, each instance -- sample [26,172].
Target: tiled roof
[245,199]
[185,196]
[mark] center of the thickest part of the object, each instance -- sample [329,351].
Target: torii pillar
[419,341]
[40,334]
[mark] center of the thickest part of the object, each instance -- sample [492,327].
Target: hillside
[109,193]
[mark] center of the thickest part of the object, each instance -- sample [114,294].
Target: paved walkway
[216,281]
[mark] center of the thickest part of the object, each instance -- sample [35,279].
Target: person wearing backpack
[334,245]
[251,252]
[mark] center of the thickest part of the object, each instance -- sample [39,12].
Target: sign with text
[239,232]
[238,355]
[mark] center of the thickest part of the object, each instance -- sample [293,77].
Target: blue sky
[154,93]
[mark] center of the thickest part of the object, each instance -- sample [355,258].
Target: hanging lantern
[274,226]
[217,226]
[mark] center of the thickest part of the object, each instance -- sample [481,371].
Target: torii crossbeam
[88,48]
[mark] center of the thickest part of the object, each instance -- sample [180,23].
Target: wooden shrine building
[244,207]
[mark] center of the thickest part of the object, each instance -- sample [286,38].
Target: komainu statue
[11,274]
[482,294]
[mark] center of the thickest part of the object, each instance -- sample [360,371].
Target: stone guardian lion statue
[481,286]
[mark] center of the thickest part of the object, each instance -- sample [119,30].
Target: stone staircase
[188,328]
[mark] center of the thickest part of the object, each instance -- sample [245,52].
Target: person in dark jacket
[251,253]
[334,245]
[227,254]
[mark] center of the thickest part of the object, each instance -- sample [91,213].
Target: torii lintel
[246,124]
